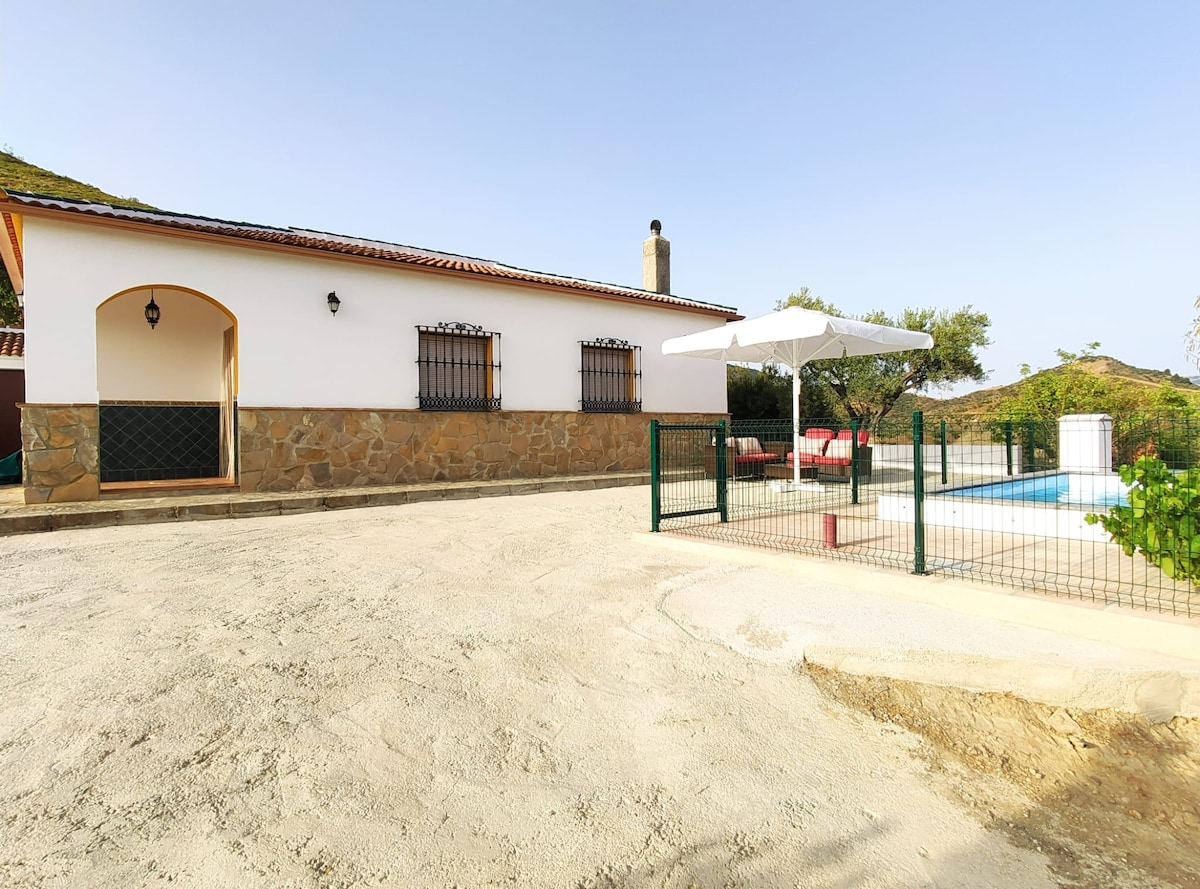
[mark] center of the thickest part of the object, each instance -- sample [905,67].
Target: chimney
[656,261]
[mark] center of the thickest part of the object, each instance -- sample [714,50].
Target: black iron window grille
[458,368]
[611,376]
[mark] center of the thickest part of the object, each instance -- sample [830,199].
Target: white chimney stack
[656,261]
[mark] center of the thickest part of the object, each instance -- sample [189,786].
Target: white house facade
[168,350]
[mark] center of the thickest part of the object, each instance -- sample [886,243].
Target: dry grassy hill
[987,401]
[20,175]
[17,174]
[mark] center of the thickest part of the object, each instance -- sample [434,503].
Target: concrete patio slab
[879,622]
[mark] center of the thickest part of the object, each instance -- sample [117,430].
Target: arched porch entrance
[168,393]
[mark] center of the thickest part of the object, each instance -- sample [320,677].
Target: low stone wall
[61,452]
[294,449]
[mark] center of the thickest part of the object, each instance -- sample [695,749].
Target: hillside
[985,401]
[20,175]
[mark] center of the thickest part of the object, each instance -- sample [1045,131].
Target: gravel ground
[464,693]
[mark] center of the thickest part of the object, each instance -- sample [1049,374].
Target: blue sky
[1038,160]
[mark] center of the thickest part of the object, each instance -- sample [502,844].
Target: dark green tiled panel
[141,442]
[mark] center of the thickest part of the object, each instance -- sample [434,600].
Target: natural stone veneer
[295,449]
[61,454]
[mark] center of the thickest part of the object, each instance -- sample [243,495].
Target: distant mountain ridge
[985,401]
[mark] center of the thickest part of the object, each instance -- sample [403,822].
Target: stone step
[25,519]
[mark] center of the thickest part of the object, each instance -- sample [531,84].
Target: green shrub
[1162,520]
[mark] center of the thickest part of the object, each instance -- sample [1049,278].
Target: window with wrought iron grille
[458,368]
[611,376]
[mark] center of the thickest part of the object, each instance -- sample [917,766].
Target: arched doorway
[168,393]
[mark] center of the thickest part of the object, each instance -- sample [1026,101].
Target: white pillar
[1085,443]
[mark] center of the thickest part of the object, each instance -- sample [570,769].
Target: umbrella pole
[795,425]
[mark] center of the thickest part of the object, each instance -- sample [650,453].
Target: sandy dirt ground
[1113,799]
[466,693]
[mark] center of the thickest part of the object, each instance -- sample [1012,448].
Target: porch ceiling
[10,251]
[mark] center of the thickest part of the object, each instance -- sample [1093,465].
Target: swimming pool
[1054,505]
[1070,489]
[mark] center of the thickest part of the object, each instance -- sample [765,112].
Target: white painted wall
[999,516]
[1085,443]
[293,353]
[179,360]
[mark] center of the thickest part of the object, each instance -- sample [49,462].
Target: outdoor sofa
[831,453]
[745,457]
[826,451]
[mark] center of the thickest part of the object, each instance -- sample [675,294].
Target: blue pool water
[1066,489]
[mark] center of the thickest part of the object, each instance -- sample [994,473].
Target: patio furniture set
[823,454]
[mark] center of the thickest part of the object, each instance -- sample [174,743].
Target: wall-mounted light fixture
[153,313]
[334,302]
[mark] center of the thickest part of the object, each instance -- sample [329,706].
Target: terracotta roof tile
[12,343]
[345,245]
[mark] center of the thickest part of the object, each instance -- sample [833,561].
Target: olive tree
[867,387]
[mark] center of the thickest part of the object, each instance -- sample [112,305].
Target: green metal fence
[1000,500]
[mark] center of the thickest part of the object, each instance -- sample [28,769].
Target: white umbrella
[795,336]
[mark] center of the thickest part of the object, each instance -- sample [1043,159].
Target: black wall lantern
[153,313]
[334,302]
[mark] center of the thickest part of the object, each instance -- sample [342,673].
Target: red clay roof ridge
[12,342]
[314,239]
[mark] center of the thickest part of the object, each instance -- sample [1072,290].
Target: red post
[829,530]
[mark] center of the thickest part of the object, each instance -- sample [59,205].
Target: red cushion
[819,434]
[761,457]
[863,435]
[831,461]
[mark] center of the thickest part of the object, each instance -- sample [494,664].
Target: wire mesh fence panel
[1013,502]
[992,499]
[807,487]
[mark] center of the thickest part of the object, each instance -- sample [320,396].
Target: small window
[458,368]
[611,376]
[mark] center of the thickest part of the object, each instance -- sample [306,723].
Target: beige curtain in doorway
[228,408]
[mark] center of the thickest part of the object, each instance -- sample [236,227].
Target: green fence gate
[682,487]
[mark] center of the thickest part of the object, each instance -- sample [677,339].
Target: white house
[166,350]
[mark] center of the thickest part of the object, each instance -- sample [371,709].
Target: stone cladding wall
[286,449]
[61,459]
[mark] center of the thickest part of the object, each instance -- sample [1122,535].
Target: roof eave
[10,249]
[82,216]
